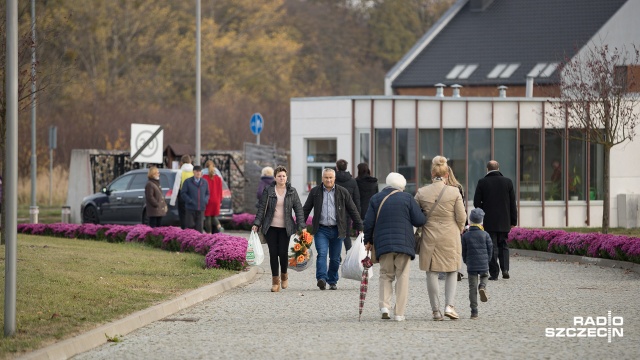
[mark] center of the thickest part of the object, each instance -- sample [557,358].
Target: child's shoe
[483,294]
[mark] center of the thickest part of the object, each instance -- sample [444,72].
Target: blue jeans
[326,240]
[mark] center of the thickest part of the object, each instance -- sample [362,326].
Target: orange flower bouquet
[300,252]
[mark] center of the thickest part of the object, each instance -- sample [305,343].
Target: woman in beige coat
[441,249]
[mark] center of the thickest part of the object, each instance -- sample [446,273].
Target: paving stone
[250,322]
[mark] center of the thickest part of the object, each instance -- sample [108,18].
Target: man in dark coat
[195,193]
[496,196]
[367,186]
[344,179]
[332,206]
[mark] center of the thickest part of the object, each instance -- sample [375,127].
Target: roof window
[503,71]
[462,71]
[543,70]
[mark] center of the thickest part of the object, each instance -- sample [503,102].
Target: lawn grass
[68,286]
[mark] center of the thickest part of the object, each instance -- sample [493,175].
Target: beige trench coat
[441,248]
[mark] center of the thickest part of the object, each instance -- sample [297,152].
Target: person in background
[496,196]
[395,244]
[185,172]
[476,252]
[330,203]
[211,223]
[367,186]
[344,179]
[154,198]
[266,180]
[275,222]
[195,193]
[441,248]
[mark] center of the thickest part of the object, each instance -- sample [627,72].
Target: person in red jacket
[211,223]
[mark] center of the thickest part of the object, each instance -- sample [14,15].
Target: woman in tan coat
[441,249]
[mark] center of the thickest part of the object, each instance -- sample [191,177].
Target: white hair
[327,170]
[267,171]
[396,180]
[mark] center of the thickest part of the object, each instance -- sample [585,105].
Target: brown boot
[275,283]
[285,280]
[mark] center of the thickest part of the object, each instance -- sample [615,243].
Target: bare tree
[598,103]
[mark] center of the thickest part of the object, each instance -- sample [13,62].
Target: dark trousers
[155,221]
[211,224]
[347,243]
[500,253]
[194,219]
[182,212]
[278,243]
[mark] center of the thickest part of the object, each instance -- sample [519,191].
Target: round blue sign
[256,124]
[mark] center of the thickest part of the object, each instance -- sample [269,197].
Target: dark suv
[122,201]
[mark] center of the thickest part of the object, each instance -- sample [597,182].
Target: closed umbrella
[364,284]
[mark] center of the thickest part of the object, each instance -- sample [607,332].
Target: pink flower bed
[244,221]
[607,246]
[220,250]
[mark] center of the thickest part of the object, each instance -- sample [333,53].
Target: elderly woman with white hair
[266,180]
[388,225]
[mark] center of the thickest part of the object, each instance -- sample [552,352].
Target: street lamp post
[33,210]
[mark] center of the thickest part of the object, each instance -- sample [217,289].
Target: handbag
[418,234]
[374,258]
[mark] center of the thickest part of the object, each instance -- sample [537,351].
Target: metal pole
[258,139]
[50,174]
[33,210]
[198,84]
[10,182]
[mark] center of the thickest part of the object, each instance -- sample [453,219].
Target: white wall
[314,118]
[621,30]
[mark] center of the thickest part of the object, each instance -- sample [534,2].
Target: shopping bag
[300,256]
[352,267]
[255,253]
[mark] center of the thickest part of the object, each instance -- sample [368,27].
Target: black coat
[344,179]
[344,207]
[368,186]
[477,249]
[264,216]
[496,196]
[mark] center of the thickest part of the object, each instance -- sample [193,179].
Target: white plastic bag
[352,265]
[292,263]
[255,253]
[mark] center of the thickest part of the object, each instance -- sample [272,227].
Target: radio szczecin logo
[590,327]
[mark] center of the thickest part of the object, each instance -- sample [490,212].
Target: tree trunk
[606,208]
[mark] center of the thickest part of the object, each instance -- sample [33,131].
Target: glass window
[365,138]
[383,154]
[454,151]
[139,182]
[529,176]
[596,178]
[406,157]
[505,152]
[120,184]
[165,182]
[322,151]
[429,148]
[554,165]
[479,155]
[577,166]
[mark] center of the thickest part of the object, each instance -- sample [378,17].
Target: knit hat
[476,216]
[396,180]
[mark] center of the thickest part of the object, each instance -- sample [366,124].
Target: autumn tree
[599,103]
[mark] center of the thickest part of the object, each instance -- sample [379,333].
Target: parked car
[123,202]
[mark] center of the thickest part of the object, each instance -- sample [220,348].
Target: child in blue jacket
[476,251]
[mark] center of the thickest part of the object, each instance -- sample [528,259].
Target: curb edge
[96,337]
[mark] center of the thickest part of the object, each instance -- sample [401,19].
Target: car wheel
[90,215]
